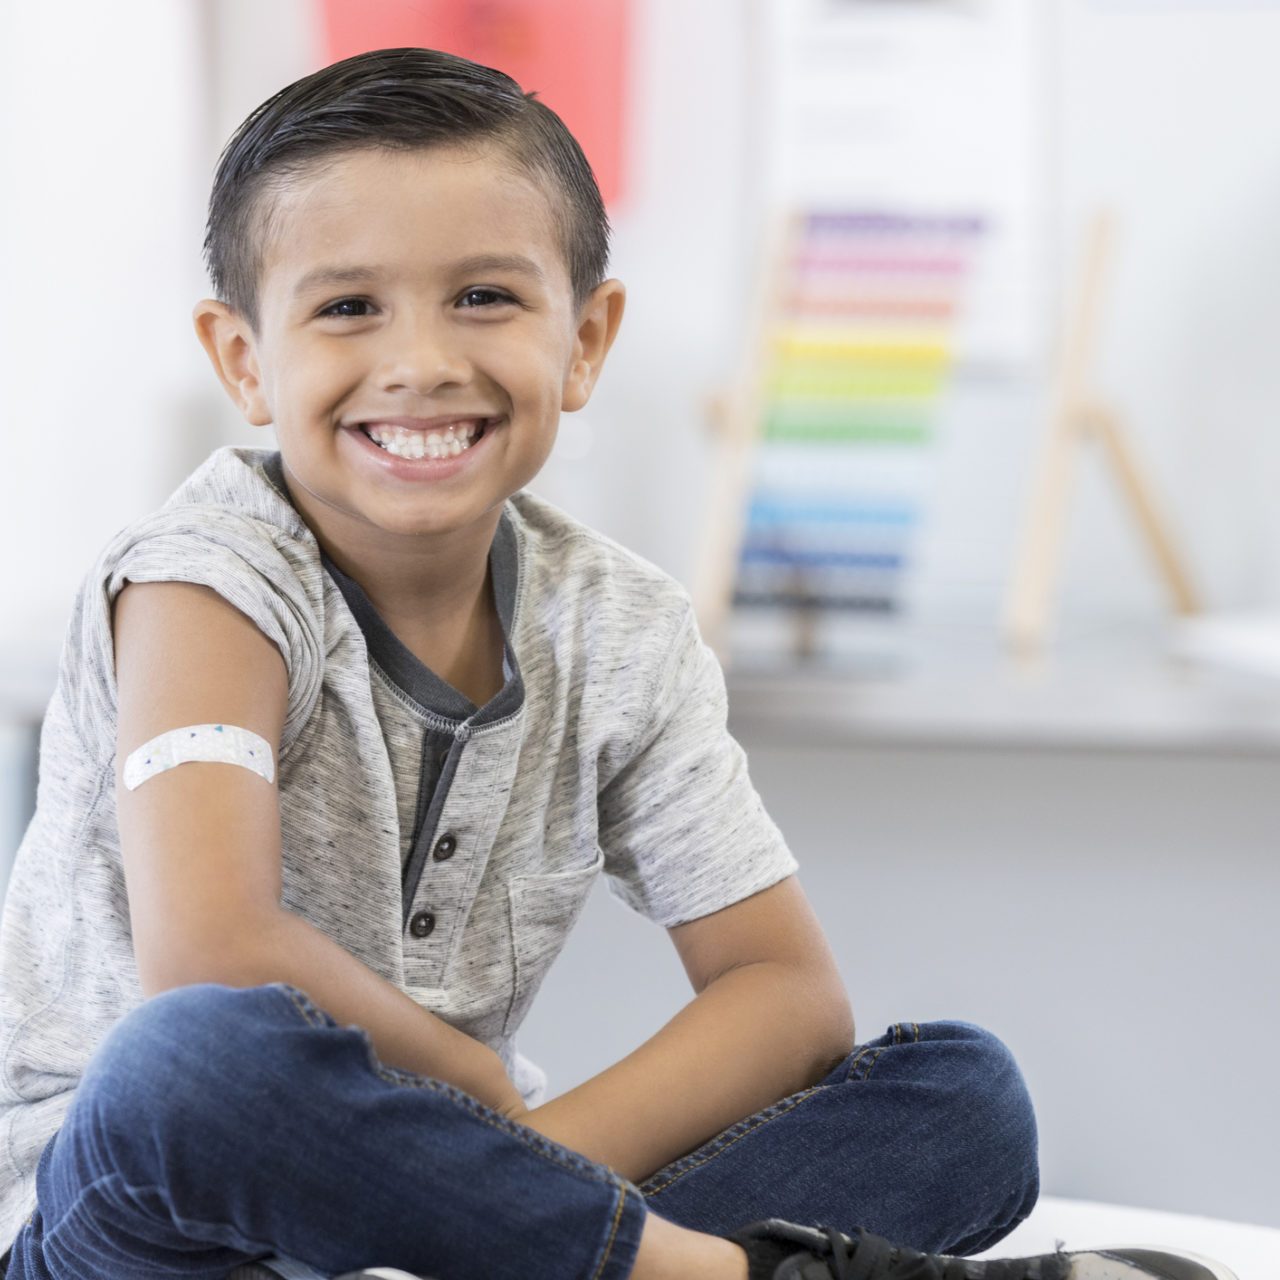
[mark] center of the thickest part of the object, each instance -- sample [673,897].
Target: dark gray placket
[487,738]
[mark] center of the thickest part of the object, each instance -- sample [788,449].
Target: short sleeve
[233,555]
[682,829]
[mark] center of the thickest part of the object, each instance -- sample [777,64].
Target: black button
[422,924]
[445,847]
[442,759]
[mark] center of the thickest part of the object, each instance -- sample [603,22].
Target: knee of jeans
[166,1055]
[996,1136]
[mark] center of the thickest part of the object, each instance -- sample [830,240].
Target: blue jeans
[216,1125]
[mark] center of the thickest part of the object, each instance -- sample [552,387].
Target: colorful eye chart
[859,352]
[901,145]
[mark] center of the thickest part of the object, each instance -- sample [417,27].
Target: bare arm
[771,1017]
[202,844]
[286,948]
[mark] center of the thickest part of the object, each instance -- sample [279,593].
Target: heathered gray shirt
[448,847]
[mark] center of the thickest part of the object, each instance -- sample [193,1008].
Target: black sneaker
[782,1250]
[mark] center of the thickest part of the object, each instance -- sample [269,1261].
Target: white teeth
[432,444]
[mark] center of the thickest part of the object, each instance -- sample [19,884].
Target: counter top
[1111,688]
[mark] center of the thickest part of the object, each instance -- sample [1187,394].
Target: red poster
[572,53]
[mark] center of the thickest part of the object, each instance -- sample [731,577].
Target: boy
[270,1009]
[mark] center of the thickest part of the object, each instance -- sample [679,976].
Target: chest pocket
[543,909]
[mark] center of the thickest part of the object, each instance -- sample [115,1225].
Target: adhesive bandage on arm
[221,743]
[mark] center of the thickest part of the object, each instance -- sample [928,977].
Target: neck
[422,592]
[419,582]
[441,608]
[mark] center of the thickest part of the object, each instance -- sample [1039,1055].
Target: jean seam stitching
[513,1128]
[871,1066]
[408,1080]
[853,1066]
[613,1233]
[310,1014]
[760,1123]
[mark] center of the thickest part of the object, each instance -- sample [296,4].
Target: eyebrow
[479,263]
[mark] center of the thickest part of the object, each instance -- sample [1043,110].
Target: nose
[422,353]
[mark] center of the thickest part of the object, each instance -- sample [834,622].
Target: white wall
[101,112]
[1168,115]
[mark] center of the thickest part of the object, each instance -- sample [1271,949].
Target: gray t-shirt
[448,847]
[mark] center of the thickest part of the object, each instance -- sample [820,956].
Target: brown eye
[484,297]
[332,308]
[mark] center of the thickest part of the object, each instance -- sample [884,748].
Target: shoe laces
[872,1257]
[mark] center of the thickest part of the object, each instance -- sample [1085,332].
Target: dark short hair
[397,99]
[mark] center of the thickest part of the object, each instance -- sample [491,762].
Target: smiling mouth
[447,442]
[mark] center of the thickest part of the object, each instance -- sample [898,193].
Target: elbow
[831,1035]
[842,1035]
[233,959]
[837,1033]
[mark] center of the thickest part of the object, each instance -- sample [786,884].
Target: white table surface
[1252,1252]
[1112,688]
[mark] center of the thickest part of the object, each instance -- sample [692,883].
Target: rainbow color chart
[858,350]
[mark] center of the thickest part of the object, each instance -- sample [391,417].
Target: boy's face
[454,305]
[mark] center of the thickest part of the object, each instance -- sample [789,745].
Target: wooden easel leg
[1027,612]
[735,418]
[1028,605]
[1136,491]
[725,519]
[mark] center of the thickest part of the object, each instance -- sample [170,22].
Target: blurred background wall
[1100,898]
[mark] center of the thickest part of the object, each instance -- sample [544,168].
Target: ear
[231,346]
[598,323]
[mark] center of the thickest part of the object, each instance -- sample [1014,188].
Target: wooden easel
[735,417]
[1076,419]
